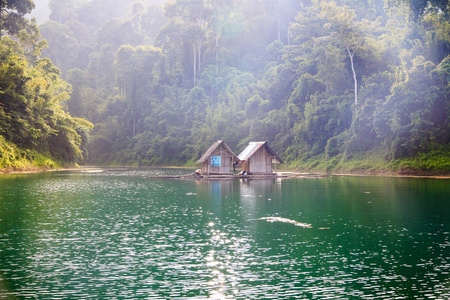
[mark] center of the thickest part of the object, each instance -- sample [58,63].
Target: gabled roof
[214,147]
[253,147]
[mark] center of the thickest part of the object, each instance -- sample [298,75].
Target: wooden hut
[218,159]
[258,158]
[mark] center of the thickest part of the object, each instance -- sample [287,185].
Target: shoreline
[37,170]
[290,173]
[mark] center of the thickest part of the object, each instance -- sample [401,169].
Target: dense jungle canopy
[331,85]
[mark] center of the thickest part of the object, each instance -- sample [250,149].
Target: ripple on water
[117,235]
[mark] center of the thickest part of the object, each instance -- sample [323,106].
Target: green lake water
[118,234]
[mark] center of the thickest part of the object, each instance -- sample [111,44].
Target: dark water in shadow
[116,234]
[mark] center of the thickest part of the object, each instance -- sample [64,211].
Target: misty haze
[198,147]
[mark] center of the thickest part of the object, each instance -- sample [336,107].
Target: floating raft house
[218,159]
[258,159]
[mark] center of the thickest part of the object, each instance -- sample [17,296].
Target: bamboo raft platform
[237,176]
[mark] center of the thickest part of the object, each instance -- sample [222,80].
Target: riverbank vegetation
[35,131]
[361,86]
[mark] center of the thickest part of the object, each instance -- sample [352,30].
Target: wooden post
[221,170]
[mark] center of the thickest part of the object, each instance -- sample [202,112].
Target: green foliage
[64,47]
[12,14]
[434,162]
[418,8]
[31,116]
[15,159]
[333,86]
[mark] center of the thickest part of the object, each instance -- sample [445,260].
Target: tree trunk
[133,101]
[278,29]
[199,55]
[97,77]
[326,67]
[195,65]
[351,54]
[1,16]
[288,36]
[217,53]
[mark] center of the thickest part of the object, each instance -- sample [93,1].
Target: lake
[118,234]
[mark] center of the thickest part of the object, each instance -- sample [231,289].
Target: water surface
[117,234]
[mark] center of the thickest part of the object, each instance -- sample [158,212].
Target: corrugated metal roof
[214,147]
[253,147]
[249,150]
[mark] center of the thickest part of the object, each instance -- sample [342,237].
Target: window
[215,161]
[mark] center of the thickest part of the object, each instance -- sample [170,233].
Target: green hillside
[338,86]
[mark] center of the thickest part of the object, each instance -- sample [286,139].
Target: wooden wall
[259,163]
[226,162]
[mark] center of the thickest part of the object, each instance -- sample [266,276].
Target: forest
[337,86]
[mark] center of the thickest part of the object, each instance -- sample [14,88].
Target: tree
[64,46]
[152,20]
[195,16]
[62,10]
[13,103]
[75,105]
[418,8]
[324,29]
[137,73]
[30,41]
[314,51]
[31,107]
[348,32]
[229,69]
[228,25]
[415,115]
[117,33]
[12,15]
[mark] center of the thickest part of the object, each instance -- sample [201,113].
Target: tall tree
[12,15]
[195,15]
[31,101]
[137,72]
[64,46]
[62,10]
[348,32]
[324,29]
[418,8]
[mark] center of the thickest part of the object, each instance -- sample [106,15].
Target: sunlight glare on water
[119,234]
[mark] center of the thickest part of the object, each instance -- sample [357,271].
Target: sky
[41,12]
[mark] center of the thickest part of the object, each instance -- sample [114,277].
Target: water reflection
[118,234]
[260,188]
